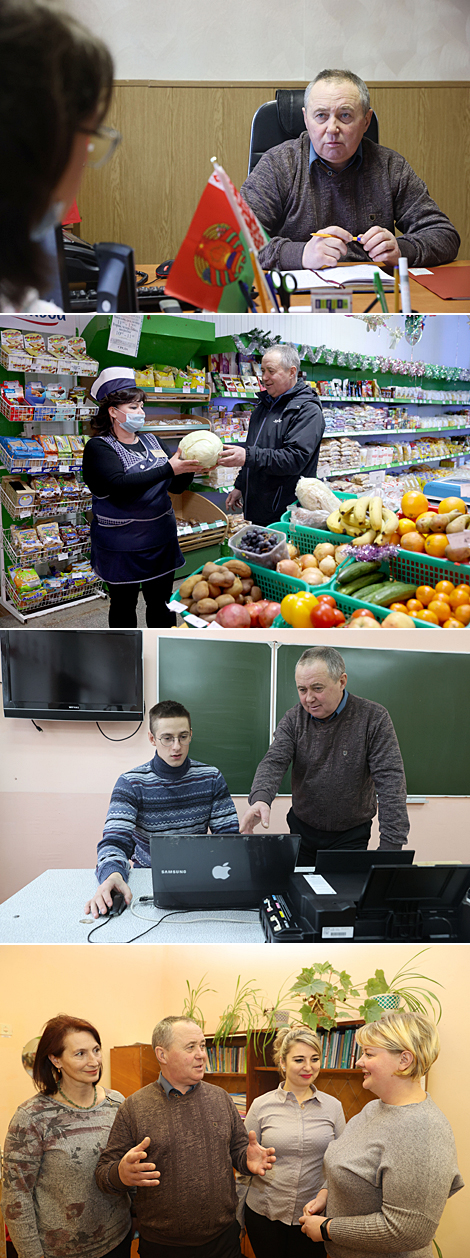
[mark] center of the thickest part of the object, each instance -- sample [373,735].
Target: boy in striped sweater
[171,792]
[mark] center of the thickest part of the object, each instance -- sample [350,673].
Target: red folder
[447,282]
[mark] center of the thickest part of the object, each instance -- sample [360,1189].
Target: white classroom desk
[51,910]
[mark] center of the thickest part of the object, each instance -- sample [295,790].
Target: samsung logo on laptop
[173,871]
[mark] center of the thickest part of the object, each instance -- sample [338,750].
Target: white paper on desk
[348,275]
[420,270]
[319,884]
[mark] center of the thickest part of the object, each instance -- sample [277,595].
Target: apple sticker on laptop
[221,871]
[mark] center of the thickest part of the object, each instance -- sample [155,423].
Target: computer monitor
[215,871]
[415,902]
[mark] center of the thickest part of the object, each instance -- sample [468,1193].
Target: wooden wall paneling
[148,194]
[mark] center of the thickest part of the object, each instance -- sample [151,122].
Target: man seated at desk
[344,753]
[170,793]
[332,174]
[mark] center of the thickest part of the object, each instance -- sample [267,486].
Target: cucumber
[358,570]
[395,592]
[374,579]
[367,593]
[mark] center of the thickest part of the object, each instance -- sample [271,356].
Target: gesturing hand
[258,1160]
[258,812]
[130,1171]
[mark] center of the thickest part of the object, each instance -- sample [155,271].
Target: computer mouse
[118,905]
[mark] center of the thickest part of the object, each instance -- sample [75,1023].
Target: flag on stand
[220,251]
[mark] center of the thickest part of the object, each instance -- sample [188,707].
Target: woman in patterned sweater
[50,1202]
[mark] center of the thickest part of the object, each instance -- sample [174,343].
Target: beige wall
[38,982]
[55,785]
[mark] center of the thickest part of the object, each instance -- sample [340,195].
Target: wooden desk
[422,301]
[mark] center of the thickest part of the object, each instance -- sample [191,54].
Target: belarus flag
[219,250]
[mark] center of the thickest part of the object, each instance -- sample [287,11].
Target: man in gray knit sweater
[353,192]
[344,752]
[192,1132]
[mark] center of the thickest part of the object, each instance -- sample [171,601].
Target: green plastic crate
[273,585]
[348,605]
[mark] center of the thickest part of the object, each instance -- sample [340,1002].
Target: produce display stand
[273,585]
[64,418]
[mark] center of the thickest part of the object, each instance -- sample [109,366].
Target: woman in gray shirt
[50,1202]
[392,1171]
[300,1122]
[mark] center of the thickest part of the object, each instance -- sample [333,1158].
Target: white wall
[217,40]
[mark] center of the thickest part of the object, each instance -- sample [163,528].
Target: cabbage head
[203,446]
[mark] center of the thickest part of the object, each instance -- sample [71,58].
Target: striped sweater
[157,797]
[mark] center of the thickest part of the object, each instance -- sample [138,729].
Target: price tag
[186,388]
[184,528]
[64,467]
[63,554]
[200,388]
[204,526]
[158,389]
[377,478]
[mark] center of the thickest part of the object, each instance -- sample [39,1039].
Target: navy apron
[137,542]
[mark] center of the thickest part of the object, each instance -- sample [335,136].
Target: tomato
[326,598]
[340,619]
[323,616]
[268,614]
[362,611]
[296,608]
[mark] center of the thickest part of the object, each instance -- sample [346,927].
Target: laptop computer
[220,871]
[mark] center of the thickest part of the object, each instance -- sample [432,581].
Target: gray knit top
[292,199]
[389,1176]
[50,1202]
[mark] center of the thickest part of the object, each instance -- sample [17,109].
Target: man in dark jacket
[282,443]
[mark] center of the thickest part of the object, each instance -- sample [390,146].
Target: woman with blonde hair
[300,1121]
[389,1176]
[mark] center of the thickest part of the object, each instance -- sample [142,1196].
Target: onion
[327,566]
[308,561]
[289,568]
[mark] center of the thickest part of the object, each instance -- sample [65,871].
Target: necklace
[74,1103]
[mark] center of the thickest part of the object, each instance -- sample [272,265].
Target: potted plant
[191,1007]
[326,994]
[404,989]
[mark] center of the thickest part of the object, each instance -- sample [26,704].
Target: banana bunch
[364,519]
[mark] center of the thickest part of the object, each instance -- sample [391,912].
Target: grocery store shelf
[417,433]
[388,467]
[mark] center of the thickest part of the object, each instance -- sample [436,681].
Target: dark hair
[54,75]
[101,423]
[167,707]
[53,1042]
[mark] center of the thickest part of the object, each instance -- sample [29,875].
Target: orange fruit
[413,605]
[453,623]
[425,593]
[460,596]
[394,540]
[398,607]
[436,545]
[406,526]
[440,609]
[462,613]
[414,503]
[452,504]
[413,541]
[428,615]
[446,588]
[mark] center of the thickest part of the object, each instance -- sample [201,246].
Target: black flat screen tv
[73,674]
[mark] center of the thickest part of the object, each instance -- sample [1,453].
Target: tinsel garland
[260,341]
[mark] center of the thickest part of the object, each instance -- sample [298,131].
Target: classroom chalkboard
[424,692]
[226,687]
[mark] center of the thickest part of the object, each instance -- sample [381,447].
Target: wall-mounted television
[73,674]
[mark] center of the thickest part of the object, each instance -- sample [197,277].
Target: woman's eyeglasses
[102,144]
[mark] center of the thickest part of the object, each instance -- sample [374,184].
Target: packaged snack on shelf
[83,532]
[77,444]
[144,378]
[15,359]
[45,362]
[77,393]
[55,584]
[87,367]
[24,540]
[197,377]
[57,345]
[69,535]
[69,486]
[63,445]
[34,344]
[163,377]
[49,447]
[17,494]
[11,338]
[56,392]
[22,448]
[13,392]
[24,579]
[46,487]
[35,392]
[49,535]
[76,346]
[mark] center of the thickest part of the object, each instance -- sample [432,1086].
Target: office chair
[282,119]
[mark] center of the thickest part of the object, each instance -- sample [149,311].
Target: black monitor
[117,290]
[73,675]
[58,290]
[414,902]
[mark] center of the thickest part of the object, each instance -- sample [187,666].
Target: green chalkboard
[424,692]
[226,687]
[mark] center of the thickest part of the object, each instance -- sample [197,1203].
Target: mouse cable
[104,922]
[119,740]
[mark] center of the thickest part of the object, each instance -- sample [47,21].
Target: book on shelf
[339,1049]
[226,1058]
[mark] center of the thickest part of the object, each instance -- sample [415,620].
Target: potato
[327,566]
[188,584]
[207,605]
[255,594]
[247,584]
[241,569]
[224,578]
[208,568]
[214,588]
[200,590]
[224,599]
[236,588]
[323,549]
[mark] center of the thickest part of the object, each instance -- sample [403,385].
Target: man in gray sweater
[191,1131]
[344,752]
[353,192]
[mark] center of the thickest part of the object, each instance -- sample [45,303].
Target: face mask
[132,423]
[51,218]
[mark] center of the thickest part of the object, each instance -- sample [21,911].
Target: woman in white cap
[134,543]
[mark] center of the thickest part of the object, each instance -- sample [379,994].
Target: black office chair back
[282,119]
